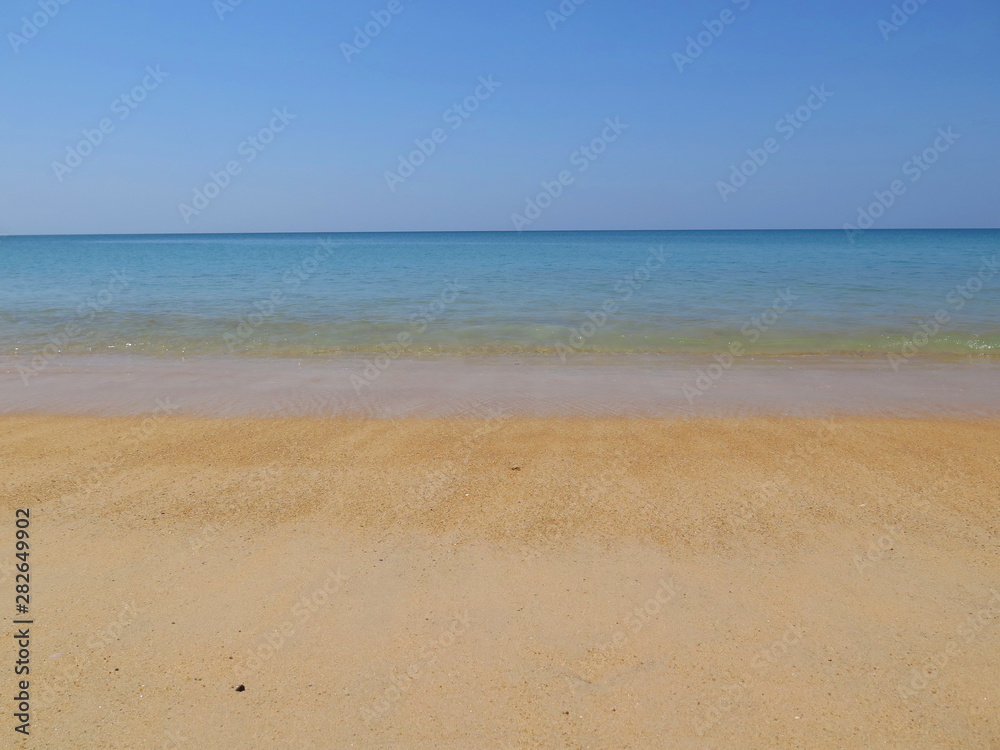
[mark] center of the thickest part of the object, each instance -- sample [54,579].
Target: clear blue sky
[326,171]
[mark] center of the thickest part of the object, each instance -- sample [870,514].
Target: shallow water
[495,387]
[553,293]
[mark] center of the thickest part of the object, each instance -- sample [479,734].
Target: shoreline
[639,385]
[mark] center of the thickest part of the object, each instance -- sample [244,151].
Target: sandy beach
[510,582]
[572,375]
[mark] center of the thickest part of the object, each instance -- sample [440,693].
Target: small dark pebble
[240,688]
[515,468]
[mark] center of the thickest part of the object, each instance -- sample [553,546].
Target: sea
[912,293]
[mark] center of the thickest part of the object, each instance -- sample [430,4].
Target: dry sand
[508,583]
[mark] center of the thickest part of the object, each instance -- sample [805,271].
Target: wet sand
[582,385]
[507,582]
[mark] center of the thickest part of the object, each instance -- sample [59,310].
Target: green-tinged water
[928,292]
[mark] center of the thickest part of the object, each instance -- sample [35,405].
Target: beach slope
[509,582]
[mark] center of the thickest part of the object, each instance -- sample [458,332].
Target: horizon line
[492,231]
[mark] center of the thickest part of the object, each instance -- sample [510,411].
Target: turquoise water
[443,293]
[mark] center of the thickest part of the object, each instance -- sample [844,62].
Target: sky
[408,115]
